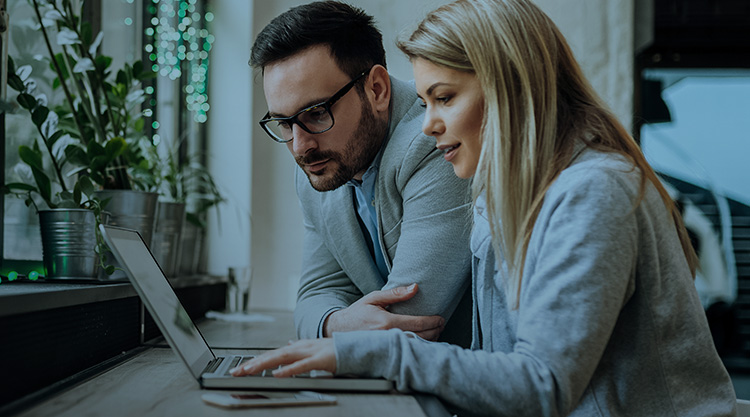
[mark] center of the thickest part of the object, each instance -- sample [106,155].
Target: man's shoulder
[406,141]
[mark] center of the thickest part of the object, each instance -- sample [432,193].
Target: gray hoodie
[609,322]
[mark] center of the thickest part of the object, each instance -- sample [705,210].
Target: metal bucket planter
[165,242]
[130,209]
[190,249]
[68,242]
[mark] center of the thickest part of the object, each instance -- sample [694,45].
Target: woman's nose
[432,125]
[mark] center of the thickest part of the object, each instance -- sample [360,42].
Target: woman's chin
[463,171]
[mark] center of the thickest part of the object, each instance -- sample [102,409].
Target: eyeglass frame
[327,104]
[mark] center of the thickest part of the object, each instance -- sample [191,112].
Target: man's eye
[317,113]
[282,124]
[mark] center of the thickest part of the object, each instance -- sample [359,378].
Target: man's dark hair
[355,43]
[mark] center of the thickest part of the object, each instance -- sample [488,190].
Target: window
[707,138]
[693,87]
[176,45]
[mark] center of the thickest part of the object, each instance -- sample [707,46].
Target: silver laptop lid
[158,296]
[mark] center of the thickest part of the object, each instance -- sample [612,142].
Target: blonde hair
[538,104]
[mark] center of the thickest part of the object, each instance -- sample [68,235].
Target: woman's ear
[378,89]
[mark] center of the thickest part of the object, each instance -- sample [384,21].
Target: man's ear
[378,89]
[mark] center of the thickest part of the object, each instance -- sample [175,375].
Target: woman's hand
[297,357]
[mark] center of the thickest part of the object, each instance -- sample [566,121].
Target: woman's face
[454,110]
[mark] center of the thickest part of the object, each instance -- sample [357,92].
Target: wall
[600,33]
[229,134]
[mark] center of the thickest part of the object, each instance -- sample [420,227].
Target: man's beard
[358,154]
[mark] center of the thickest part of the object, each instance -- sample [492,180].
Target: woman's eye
[443,99]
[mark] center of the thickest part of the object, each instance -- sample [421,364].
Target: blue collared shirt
[364,203]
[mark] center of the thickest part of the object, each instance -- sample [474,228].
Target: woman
[583,272]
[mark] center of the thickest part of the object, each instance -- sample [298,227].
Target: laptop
[210,370]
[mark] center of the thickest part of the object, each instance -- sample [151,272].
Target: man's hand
[299,357]
[369,313]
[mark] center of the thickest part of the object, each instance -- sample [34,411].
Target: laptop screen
[158,296]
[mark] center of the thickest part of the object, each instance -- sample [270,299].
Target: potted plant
[101,117]
[103,112]
[188,191]
[72,245]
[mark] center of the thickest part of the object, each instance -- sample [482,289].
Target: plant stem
[58,172]
[99,80]
[59,73]
[85,106]
[95,83]
[120,172]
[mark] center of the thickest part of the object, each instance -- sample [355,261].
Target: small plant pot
[68,243]
[132,210]
[190,249]
[165,242]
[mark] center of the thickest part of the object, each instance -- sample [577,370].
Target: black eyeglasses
[314,119]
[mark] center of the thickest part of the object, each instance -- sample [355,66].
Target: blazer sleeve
[324,286]
[432,247]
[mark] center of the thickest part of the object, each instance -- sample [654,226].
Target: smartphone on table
[247,399]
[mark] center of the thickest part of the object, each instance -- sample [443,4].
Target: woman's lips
[449,151]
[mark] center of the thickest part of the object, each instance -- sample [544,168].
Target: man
[382,210]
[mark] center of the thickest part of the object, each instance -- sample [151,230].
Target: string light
[181,44]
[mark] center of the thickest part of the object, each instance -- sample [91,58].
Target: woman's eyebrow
[434,86]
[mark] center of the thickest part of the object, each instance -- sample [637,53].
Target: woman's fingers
[300,357]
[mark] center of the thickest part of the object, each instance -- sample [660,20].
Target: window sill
[21,297]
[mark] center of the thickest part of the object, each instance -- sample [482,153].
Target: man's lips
[316,165]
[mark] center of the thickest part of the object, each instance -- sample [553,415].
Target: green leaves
[14,81]
[115,147]
[99,132]
[39,116]
[27,101]
[18,186]
[33,158]
[61,69]
[101,63]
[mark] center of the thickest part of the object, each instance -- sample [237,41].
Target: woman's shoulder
[593,169]
[596,178]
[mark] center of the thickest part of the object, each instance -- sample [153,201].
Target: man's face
[331,158]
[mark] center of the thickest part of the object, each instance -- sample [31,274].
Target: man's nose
[302,142]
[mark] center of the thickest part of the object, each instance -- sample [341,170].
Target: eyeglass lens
[316,119]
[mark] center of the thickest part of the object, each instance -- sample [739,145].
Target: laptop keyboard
[236,360]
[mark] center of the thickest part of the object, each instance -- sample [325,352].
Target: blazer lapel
[349,243]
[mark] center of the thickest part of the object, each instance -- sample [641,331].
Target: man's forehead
[302,80]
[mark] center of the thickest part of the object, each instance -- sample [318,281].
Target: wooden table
[156,383]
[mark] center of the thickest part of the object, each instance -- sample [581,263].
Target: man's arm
[325,288]
[429,246]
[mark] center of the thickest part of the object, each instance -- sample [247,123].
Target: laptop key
[213,365]
[234,363]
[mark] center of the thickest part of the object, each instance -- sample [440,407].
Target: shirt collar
[372,171]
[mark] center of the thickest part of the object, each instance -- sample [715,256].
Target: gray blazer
[424,223]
